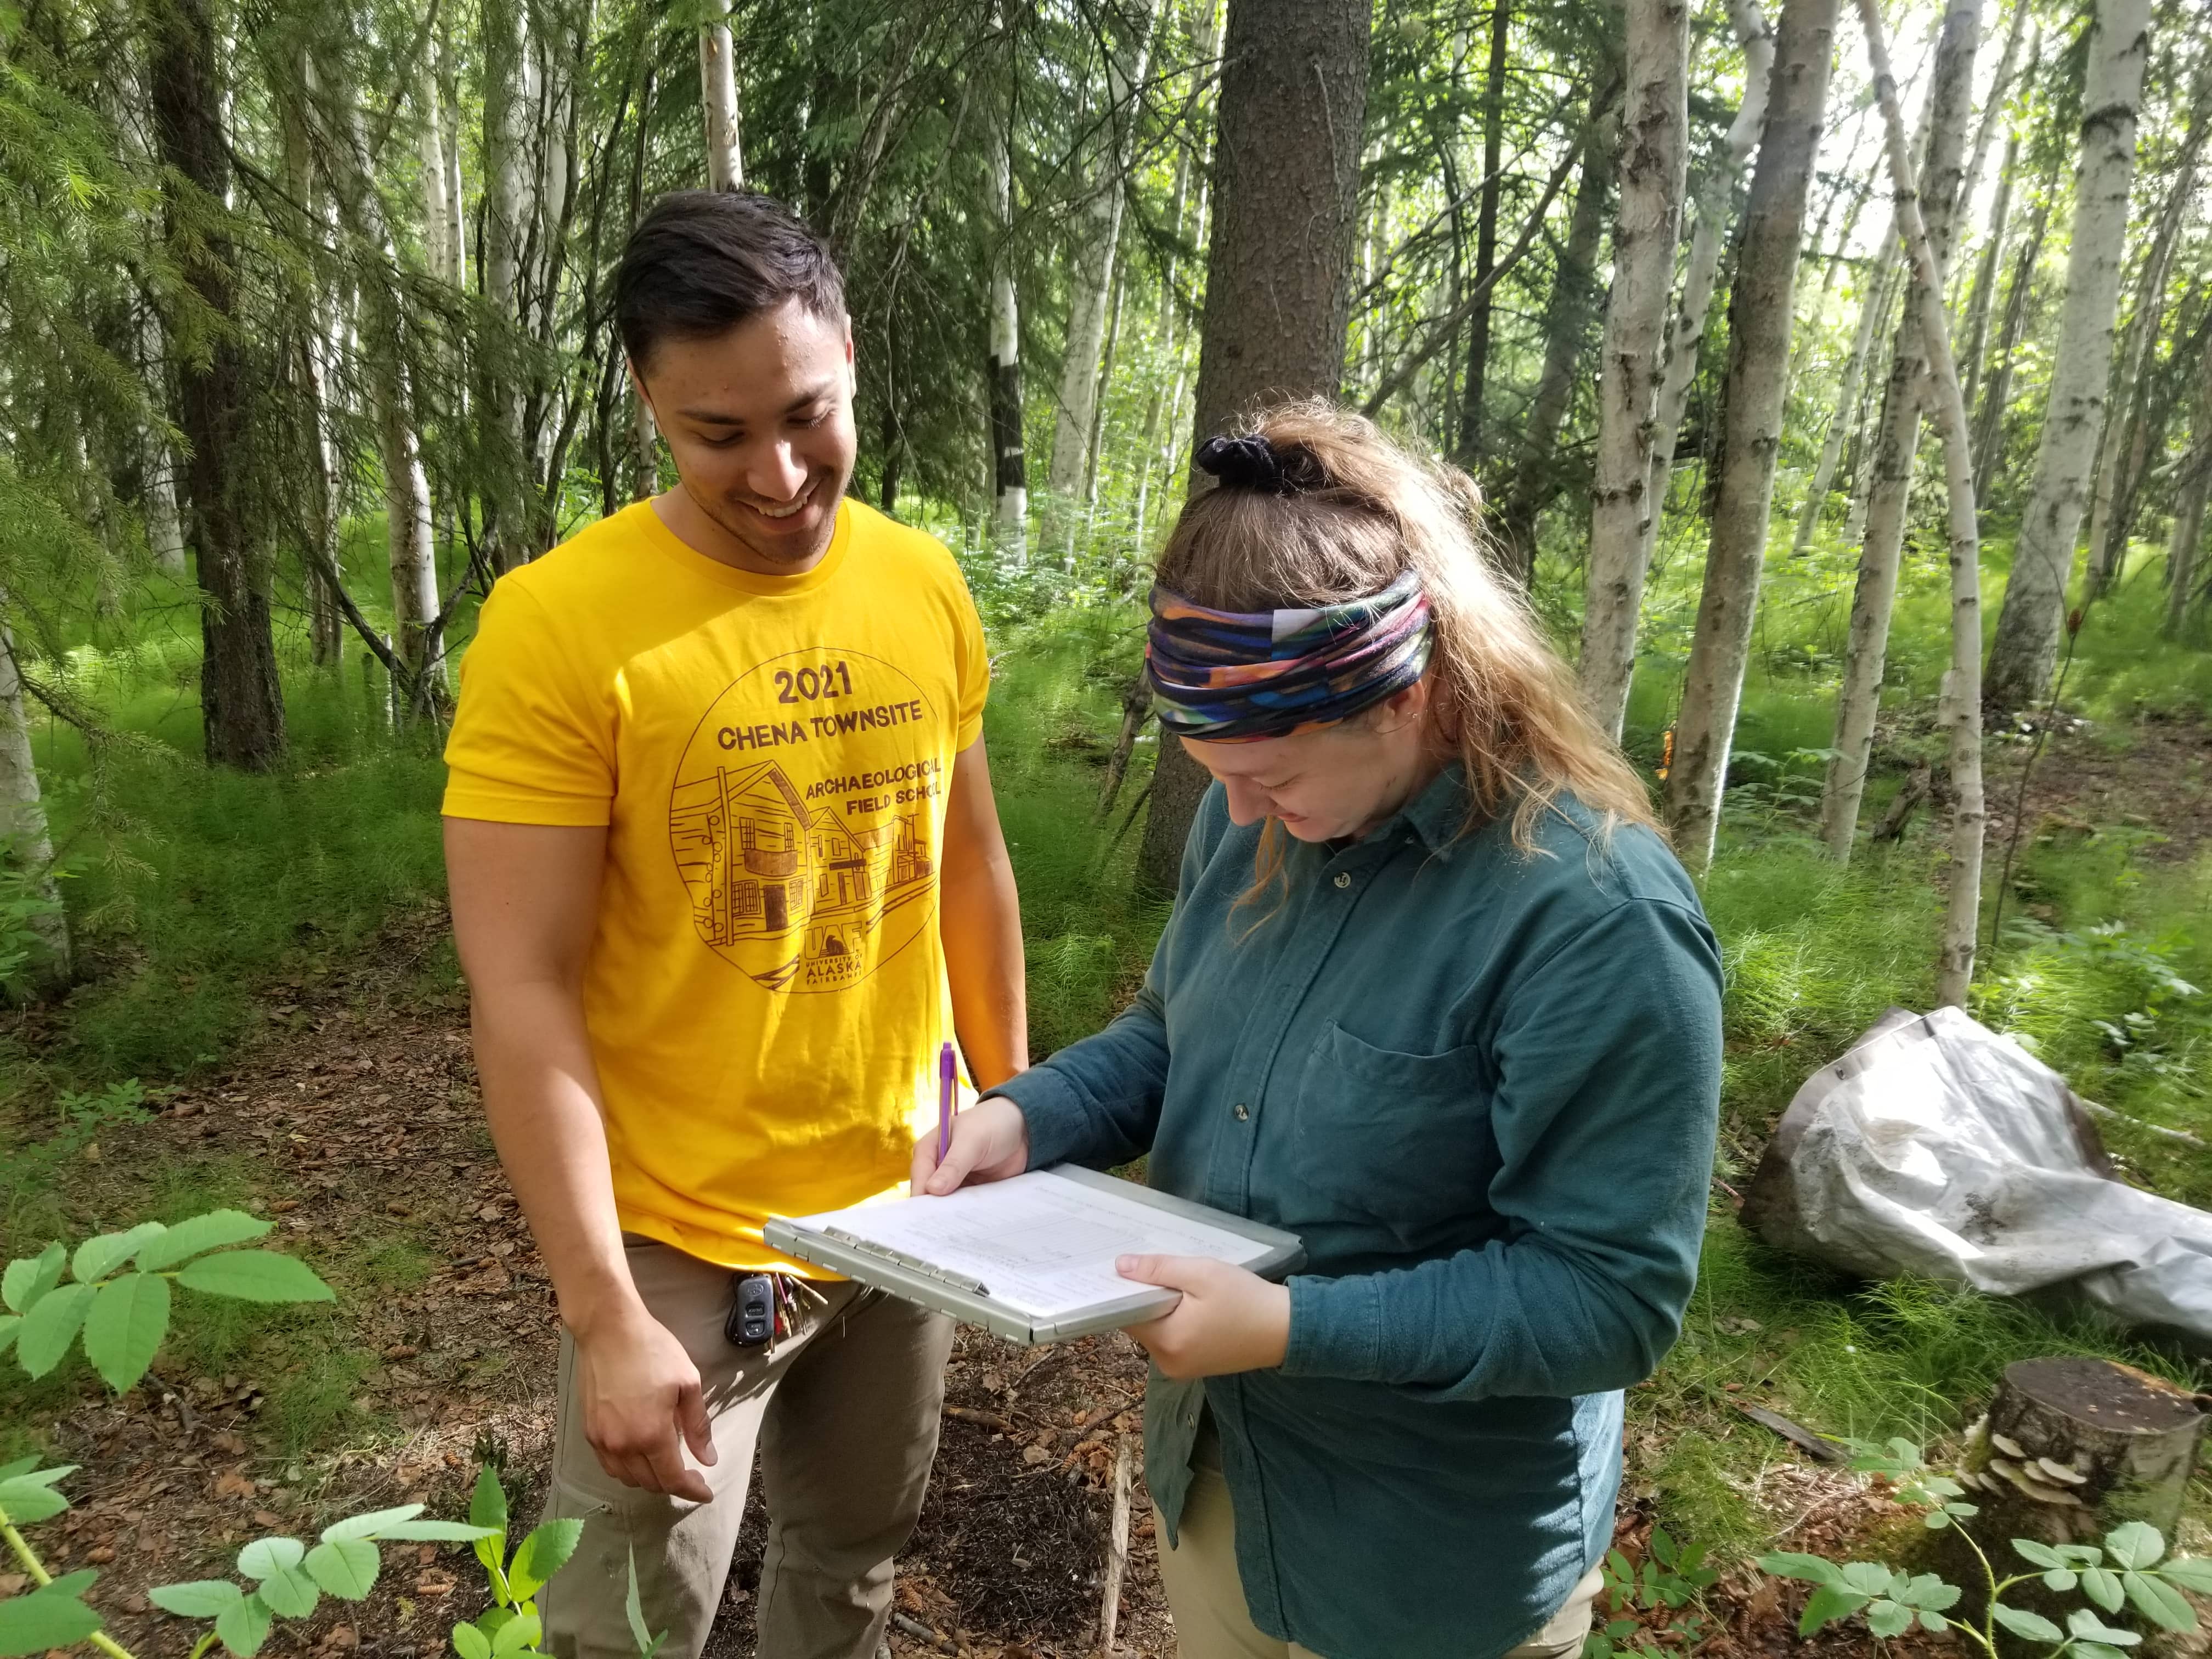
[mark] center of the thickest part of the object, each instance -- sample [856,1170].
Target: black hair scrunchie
[1245,462]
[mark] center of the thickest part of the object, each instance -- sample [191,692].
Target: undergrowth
[191,891]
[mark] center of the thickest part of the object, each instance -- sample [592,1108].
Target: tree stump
[2072,1448]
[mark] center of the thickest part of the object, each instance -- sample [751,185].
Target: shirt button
[1344,878]
[1243,1111]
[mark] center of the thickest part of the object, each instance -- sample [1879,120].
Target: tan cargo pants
[1207,1600]
[844,1411]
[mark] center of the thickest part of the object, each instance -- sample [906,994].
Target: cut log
[2072,1448]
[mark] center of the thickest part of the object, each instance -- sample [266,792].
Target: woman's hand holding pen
[990,1141]
[1229,1320]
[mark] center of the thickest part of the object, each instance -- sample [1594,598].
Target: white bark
[456,234]
[410,536]
[507,214]
[718,97]
[23,820]
[1761,309]
[2026,649]
[2121,456]
[1847,398]
[1950,98]
[1961,709]
[1097,234]
[1009,513]
[316,351]
[1654,155]
[1983,299]
[164,528]
[1715,207]
[437,179]
[2187,534]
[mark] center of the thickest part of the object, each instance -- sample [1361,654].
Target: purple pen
[947,1069]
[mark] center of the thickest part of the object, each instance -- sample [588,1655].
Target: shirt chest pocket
[1400,1139]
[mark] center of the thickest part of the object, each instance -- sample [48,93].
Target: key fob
[752,1311]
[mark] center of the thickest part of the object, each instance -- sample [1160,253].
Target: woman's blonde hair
[1362,510]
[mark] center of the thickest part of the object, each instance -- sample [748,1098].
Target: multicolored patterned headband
[1236,677]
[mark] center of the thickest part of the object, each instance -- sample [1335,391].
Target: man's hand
[642,1405]
[990,1141]
[1229,1320]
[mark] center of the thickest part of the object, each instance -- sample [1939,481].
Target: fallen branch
[1117,1552]
[981,1419]
[922,1633]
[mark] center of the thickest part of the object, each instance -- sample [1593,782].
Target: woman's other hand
[1229,1320]
[990,1141]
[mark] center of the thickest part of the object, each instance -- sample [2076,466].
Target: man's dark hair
[702,261]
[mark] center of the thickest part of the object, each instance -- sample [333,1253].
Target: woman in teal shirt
[1435,998]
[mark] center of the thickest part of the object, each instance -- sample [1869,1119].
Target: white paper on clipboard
[1039,1242]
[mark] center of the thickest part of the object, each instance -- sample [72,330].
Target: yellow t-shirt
[766,991]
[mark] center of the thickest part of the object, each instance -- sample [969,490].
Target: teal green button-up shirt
[1481,1085]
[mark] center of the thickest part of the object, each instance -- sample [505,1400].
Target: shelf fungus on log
[2072,1448]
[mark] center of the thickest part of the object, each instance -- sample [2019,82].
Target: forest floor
[353,1123]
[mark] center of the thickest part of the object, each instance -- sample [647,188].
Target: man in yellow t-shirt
[726,873]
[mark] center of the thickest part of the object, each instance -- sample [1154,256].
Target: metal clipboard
[913,1281]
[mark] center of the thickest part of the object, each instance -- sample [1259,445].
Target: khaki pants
[1207,1599]
[844,1412]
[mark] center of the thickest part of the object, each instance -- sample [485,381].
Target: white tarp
[1935,1146]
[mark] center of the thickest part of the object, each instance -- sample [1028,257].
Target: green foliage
[511,1625]
[289,1578]
[124,1315]
[1671,1583]
[2130,1570]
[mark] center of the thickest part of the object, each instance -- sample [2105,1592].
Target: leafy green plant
[1671,1584]
[511,1625]
[2130,1569]
[113,1289]
[288,1577]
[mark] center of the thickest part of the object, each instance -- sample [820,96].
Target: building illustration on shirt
[804,877]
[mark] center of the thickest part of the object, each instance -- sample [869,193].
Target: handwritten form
[1039,1242]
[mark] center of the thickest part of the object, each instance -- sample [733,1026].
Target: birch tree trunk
[1567,314]
[1762,305]
[1983,301]
[2187,536]
[718,97]
[165,530]
[1847,399]
[2122,455]
[1996,380]
[1097,234]
[1010,472]
[1286,202]
[410,528]
[1960,711]
[2026,649]
[1897,449]
[28,845]
[316,350]
[644,451]
[242,704]
[507,214]
[1686,333]
[1655,153]
[1985,129]
[437,180]
[1468,452]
